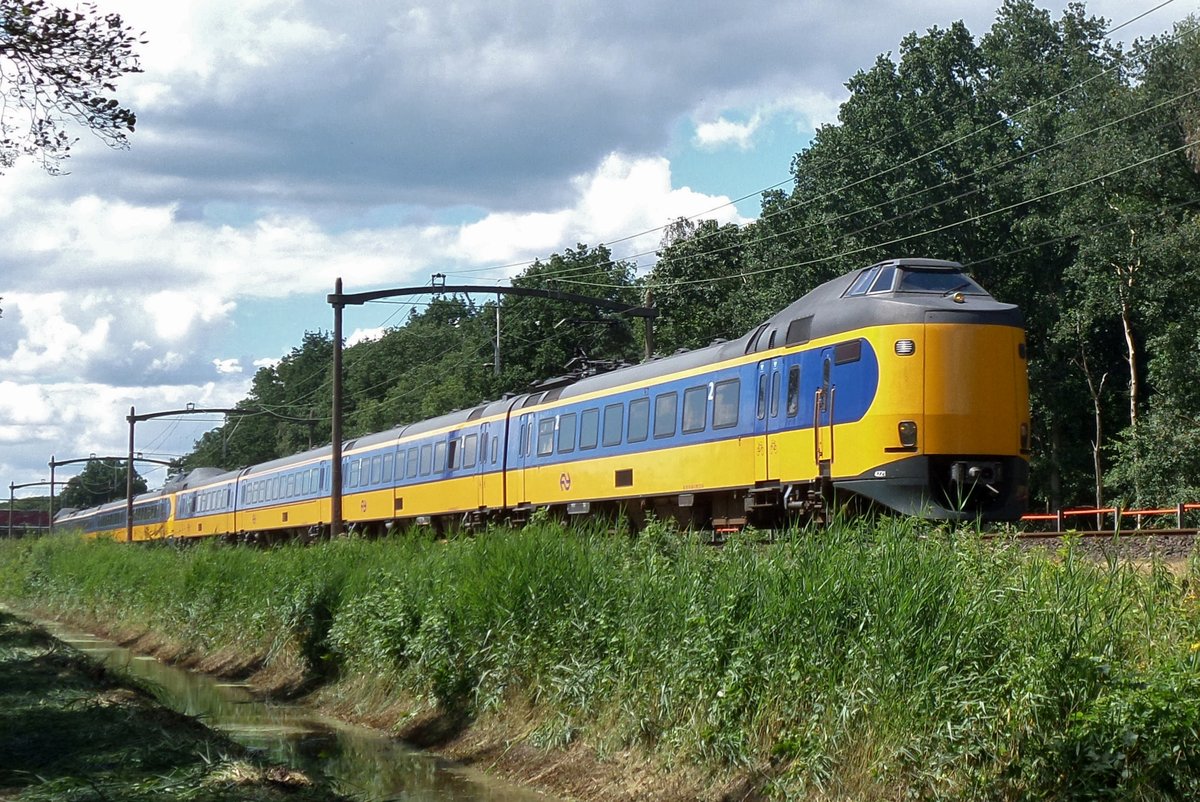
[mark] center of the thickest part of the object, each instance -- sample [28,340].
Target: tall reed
[869,659]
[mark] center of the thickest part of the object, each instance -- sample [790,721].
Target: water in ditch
[361,762]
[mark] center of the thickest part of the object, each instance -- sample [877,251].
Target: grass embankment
[69,730]
[867,662]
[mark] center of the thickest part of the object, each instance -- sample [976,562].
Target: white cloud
[227,365]
[364,335]
[723,132]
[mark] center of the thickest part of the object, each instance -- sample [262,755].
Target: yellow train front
[903,383]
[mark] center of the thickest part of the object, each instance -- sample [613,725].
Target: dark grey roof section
[833,314]
[827,314]
[197,477]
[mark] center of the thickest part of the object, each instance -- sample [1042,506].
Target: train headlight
[905,347]
[908,433]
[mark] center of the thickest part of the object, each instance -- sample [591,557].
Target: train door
[823,405]
[524,458]
[481,457]
[768,419]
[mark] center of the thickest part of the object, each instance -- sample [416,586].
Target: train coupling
[977,472]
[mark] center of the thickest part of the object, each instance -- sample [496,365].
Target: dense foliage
[100,481]
[869,662]
[1059,167]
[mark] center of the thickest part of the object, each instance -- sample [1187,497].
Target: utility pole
[496,353]
[335,456]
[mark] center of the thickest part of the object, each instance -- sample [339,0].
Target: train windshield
[939,281]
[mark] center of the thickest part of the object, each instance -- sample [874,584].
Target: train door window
[521,440]
[376,469]
[455,448]
[411,468]
[566,433]
[589,428]
[545,440]
[614,418]
[775,380]
[883,282]
[761,409]
[426,459]
[695,409]
[387,467]
[793,391]
[666,411]
[470,450]
[639,419]
[439,456]
[725,403]
[483,446]
[529,439]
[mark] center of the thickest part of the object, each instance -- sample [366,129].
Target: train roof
[826,311]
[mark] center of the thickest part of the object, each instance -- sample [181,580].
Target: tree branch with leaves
[60,66]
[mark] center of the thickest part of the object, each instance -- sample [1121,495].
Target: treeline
[1058,166]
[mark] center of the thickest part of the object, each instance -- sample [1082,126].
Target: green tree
[539,337]
[100,482]
[696,288]
[58,66]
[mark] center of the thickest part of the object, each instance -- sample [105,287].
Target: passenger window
[695,409]
[589,428]
[387,468]
[411,470]
[639,419]
[666,408]
[775,379]
[845,353]
[725,404]
[426,459]
[566,433]
[793,393]
[545,443]
[455,454]
[439,456]
[376,470]
[470,450]
[614,418]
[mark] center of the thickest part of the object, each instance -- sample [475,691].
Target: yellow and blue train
[903,384]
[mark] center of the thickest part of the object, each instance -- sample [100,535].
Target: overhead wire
[846,157]
[934,230]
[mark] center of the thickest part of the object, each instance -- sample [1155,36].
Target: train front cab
[952,413]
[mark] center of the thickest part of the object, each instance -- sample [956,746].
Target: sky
[281,144]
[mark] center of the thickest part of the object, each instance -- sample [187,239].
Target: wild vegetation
[1059,166]
[871,661]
